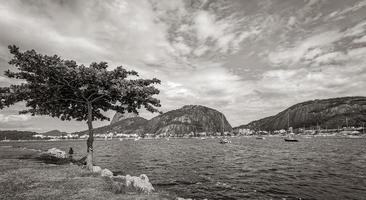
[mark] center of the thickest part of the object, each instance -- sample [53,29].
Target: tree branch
[65,83]
[97,98]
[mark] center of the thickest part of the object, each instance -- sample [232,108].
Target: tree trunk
[89,142]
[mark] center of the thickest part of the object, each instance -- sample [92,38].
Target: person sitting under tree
[71,152]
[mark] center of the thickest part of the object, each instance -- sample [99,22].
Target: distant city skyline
[247,59]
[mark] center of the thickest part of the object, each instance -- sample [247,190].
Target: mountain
[189,118]
[330,113]
[180,122]
[119,116]
[54,133]
[126,126]
[16,135]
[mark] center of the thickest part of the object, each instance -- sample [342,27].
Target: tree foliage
[62,88]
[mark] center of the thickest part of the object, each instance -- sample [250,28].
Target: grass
[31,179]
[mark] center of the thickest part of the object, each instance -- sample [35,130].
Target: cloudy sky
[248,59]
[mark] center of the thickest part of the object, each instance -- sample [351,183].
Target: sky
[248,59]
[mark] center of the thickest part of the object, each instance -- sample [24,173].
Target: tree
[63,89]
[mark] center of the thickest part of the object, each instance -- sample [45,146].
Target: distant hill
[126,126]
[17,135]
[54,133]
[189,118]
[179,122]
[330,113]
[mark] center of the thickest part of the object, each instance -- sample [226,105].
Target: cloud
[182,48]
[199,49]
[360,40]
[356,30]
[291,21]
[329,58]
[16,18]
[316,45]
[13,118]
[305,48]
[342,13]
[176,90]
[4,81]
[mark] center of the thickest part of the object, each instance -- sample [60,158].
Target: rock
[54,152]
[141,183]
[190,119]
[119,117]
[97,169]
[128,182]
[107,173]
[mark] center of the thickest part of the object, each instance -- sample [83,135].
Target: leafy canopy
[62,88]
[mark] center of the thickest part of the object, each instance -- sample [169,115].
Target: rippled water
[316,168]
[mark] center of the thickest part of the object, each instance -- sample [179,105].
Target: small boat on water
[290,137]
[5,140]
[120,139]
[291,140]
[224,141]
[260,138]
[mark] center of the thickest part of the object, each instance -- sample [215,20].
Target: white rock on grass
[56,153]
[97,169]
[140,183]
[106,172]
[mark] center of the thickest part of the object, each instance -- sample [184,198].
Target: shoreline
[362,136]
[24,177]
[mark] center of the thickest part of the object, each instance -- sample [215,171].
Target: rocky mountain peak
[119,117]
[188,119]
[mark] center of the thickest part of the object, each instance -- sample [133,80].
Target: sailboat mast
[288,120]
[222,123]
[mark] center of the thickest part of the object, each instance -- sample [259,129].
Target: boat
[291,140]
[291,134]
[138,138]
[224,141]
[290,137]
[120,139]
[5,140]
[260,138]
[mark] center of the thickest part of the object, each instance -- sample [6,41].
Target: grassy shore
[23,177]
